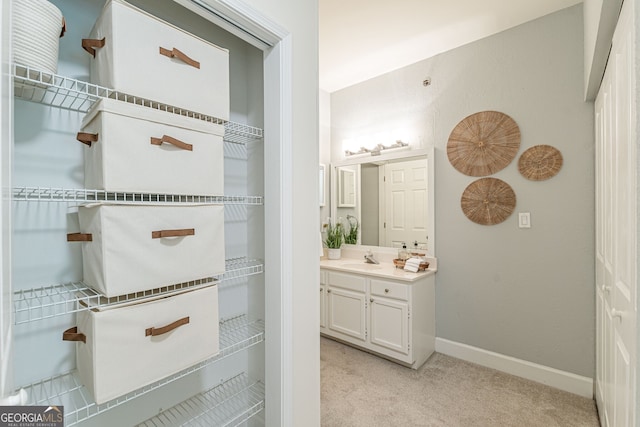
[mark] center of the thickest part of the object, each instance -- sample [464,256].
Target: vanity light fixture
[362,150]
[377,150]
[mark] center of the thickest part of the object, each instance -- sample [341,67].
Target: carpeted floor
[359,389]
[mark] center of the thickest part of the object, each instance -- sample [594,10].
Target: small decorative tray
[400,264]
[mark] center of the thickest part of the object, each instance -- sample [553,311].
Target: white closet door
[603,255]
[624,225]
[616,232]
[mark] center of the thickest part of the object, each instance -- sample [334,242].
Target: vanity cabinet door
[347,313]
[389,326]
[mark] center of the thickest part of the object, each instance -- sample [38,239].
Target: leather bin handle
[87,138]
[168,328]
[79,237]
[175,53]
[64,27]
[90,45]
[173,233]
[72,334]
[173,141]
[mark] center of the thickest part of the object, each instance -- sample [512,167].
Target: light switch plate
[524,219]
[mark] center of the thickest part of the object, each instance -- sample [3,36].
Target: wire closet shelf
[46,302]
[236,334]
[230,404]
[47,194]
[76,95]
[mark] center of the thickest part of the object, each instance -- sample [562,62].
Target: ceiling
[361,39]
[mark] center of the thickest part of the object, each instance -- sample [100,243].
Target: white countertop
[386,269]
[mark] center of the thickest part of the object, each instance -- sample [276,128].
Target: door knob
[605,288]
[616,313]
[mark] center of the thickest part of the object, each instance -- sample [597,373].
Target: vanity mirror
[392,199]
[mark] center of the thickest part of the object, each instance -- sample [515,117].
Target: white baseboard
[576,384]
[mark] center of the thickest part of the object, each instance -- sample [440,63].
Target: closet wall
[46,154]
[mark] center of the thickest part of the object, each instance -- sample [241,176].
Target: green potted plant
[334,238]
[351,236]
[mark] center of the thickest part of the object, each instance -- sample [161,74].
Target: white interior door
[616,232]
[599,250]
[405,195]
[604,248]
[624,218]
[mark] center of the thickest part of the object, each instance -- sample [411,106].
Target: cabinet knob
[616,313]
[386,291]
[328,291]
[370,299]
[606,288]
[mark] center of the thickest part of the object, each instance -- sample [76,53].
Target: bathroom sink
[362,266]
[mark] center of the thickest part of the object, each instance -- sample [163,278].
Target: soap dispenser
[403,255]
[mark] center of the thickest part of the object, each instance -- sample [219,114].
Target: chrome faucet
[368,257]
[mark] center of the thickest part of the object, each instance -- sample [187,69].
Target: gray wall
[526,293]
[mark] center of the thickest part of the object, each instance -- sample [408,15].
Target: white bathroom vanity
[379,308]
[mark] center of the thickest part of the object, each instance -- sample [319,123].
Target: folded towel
[411,268]
[412,264]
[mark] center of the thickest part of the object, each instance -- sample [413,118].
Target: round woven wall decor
[483,143]
[488,201]
[540,162]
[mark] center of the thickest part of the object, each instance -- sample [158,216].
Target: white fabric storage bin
[37,28]
[129,248]
[134,148]
[128,347]
[147,57]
